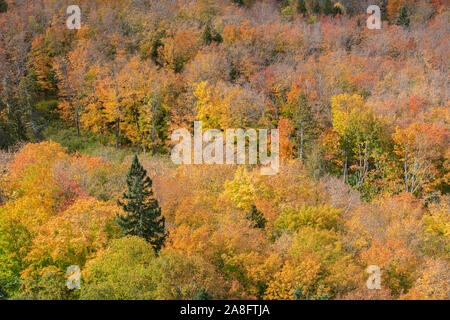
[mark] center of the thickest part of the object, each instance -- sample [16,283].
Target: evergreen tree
[298,293]
[3,6]
[301,6]
[143,218]
[301,294]
[383,9]
[316,7]
[3,294]
[403,19]
[257,217]
[203,295]
[209,35]
[328,8]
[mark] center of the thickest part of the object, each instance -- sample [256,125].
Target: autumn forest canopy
[86,179]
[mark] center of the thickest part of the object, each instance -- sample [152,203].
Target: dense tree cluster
[363,117]
[229,233]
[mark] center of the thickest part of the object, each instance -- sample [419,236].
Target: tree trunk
[301,142]
[77,120]
[117,133]
[77,124]
[153,135]
[346,159]
[406,170]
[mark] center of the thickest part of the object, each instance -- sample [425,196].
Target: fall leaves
[316,239]
[363,121]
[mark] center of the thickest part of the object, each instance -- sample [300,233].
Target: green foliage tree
[203,295]
[209,35]
[3,6]
[301,293]
[316,7]
[403,18]
[301,7]
[328,8]
[143,218]
[3,294]
[257,217]
[123,271]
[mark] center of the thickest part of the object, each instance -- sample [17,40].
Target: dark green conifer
[257,217]
[403,18]
[328,8]
[203,295]
[301,6]
[3,6]
[316,7]
[143,218]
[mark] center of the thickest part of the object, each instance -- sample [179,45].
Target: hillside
[363,122]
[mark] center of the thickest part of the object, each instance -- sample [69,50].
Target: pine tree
[3,6]
[207,35]
[257,217]
[328,8]
[403,19]
[383,8]
[143,218]
[316,7]
[3,294]
[305,294]
[203,295]
[301,6]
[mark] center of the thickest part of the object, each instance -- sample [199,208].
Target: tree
[316,7]
[203,295]
[76,74]
[303,294]
[328,8]
[403,18]
[3,6]
[209,35]
[143,218]
[122,271]
[361,135]
[300,111]
[419,147]
[301,7]
[257,217]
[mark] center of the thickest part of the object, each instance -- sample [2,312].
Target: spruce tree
[3,294]
[304,294]
[316,7]
[403,19]
[383,8]
[328,8]
[301,6]
[203,295]
[143,218]
[257,217]
[3,6]
[207,35]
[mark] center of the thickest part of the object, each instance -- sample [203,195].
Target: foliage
[143,214]
[363,122]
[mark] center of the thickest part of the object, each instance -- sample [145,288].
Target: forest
[86,179]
